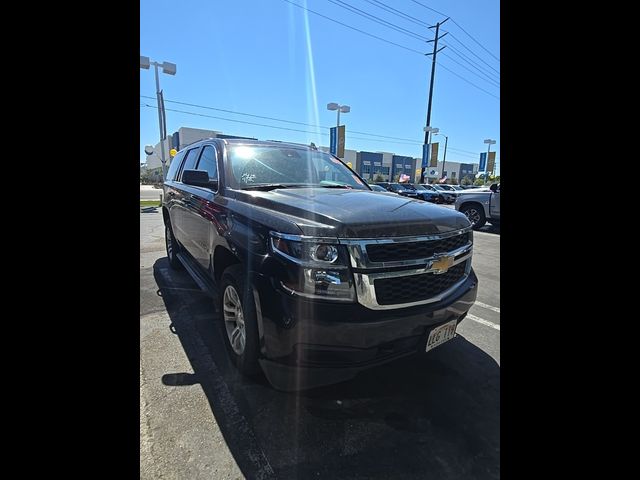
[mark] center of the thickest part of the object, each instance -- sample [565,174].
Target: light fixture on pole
[170,69]
[444,158]
[489,142]
[338,108]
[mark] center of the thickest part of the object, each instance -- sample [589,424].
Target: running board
[205,284]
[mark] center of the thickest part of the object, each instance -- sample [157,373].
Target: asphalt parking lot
[433,416]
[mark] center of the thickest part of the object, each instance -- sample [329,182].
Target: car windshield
[420,187]
[264,167]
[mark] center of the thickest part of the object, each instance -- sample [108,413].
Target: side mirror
[494,187]
[199,178]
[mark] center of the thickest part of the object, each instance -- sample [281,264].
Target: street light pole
[160,123]
[170,69]
[489,142]
[444,158]
[338,108]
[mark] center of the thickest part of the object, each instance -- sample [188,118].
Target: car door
[495,204]
[181,199]
[200,216]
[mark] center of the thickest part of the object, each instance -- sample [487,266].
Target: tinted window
[174,165]
[190,162]
[208,162]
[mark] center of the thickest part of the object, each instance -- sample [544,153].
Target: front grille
[413,288]
[391,252]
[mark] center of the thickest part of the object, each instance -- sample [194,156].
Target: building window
[453,174]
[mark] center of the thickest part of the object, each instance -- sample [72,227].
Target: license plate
[441,334]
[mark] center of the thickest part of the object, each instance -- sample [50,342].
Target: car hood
[347,213]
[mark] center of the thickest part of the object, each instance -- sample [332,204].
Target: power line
[470,83]
[196,105]
[408,33]
[470,36]
[417,21]
[485,78]
[471,62]
[473,53]
[459,26]
[354,28]
[274,119]
[384,40]
[409,142]
[379,20]
[397,13]
[274,126]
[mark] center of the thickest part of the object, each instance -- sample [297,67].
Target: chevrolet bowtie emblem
[442,264]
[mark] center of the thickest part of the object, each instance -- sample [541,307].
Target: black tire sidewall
[173,260]
[482,220]
[247,363]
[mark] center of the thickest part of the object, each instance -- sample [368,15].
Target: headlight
[309,252]
[323,267]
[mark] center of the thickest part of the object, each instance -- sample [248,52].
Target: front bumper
[306,344]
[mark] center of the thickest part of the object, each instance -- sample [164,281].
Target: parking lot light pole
[444,158]
[428,133]
[489,142]
[169,69]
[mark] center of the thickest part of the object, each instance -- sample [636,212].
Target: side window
[190,162]
[208,162]
[174,165]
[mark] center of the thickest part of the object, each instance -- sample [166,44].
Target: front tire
[172,248]
[475,214]
[239,323]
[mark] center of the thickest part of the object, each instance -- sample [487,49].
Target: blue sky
[273,59]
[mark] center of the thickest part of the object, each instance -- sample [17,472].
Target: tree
[454,181]
[378,177]
[466,180]
[479,182]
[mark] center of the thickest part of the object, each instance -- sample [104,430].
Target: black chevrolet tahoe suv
[316,276]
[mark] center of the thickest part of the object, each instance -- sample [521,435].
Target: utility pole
[433,72]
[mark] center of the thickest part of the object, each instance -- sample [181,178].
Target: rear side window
[190,162]
[174,166]
[208,162]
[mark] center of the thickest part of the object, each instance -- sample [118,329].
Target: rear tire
[172,248]
[475,214]
[239,321]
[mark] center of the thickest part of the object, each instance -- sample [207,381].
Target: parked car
[402,189]
[480,205]
[449,194]
[426,194]
[316,277]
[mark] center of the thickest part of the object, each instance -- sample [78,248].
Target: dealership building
[367,164]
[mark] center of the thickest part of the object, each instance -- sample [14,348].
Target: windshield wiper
[336,185]
[272,186]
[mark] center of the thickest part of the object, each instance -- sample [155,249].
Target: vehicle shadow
[149,209]
[489,228]
[427,416]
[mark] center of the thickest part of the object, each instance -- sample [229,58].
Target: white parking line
[489,307]
[483,321]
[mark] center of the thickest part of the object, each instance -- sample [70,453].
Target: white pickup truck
[480,206]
